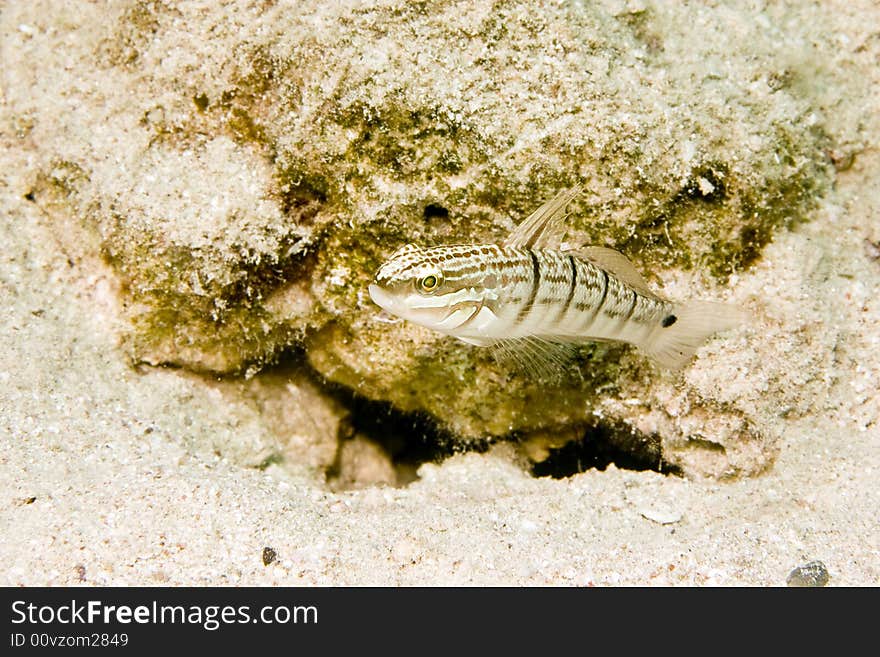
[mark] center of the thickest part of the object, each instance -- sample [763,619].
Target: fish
[527,298]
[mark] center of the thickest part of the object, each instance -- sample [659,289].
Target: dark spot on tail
[669,320]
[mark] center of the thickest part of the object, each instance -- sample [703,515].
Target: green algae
[182,317]
[137,23]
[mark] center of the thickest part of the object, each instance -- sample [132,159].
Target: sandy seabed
[100,484]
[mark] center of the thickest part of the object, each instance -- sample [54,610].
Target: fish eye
[429,283]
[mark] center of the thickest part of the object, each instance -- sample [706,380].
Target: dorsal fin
[615,263]
[540,227]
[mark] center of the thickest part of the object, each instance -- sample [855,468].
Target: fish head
[436,287]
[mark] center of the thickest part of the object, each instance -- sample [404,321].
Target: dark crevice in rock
[600,447]
[707,445]
[377,444]
[392,444]
[434,211]
[707,185]
[408,439]
[411,439]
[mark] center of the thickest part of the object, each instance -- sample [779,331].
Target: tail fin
[687,328]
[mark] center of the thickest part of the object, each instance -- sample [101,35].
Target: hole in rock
[375,444]
[434,211]
[600,447]
[379,445]
[707,185]
[382,445]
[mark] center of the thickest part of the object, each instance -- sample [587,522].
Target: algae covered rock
[260,161]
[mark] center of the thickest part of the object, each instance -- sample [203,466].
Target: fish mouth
[381,298]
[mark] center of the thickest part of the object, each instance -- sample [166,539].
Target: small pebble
[662,516]
[810,574]
[269,555]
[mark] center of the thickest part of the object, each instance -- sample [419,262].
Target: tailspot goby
[523,293]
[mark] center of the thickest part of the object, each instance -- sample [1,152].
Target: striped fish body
[522,292]
[546,294]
